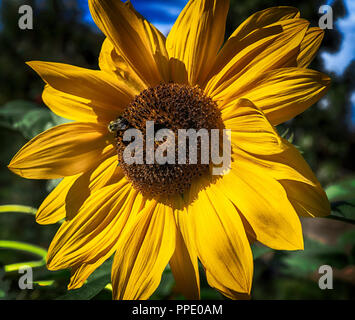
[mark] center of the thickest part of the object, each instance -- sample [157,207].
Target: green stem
[29,248]
[18,208]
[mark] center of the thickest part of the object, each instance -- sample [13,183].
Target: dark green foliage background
[325,136]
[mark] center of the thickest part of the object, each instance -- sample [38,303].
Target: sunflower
[151,216]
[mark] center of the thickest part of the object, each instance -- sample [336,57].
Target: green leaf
[42,273]
[51,184]
[166,285]
[4,285]
[288,135]
[259,250]
[303,262]
[94,285]
[343,211]
[28,118]
[347,239]
[341,191]
[210,294]
[342,197]
[57,120]
[28,248]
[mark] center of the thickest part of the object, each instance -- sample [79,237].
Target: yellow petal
[265,49]
[309,46]
[308,200]
[187,282]
[66,199]
[52,208]
[264,18]
[96,95]
[264,204]
[80,273]
[73,107]
[197,36]
[288,164]
[252,30]
[250,130]
[140,44]
[64,150]
[110,61]
[143,253]
[284,93]
[184,264]
[93,233]
[221,242]
[291,170]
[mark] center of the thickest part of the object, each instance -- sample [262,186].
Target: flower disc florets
[169,106]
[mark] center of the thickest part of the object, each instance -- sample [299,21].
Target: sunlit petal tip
[309,46]
[51,264]
[320,77]
[54,260]
[15,167]
[37,66]
[184,262]
[12,167]
[266,17]
[73,286]
[44,218]
[316,32]
[300,244]
[31,63]
[64,150]
[40,220]
[293,243]
[282,12]
[325,79]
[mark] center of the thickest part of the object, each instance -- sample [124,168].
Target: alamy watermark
[326,20]
[326,280]
[25,21]
[165,153]
[25,282]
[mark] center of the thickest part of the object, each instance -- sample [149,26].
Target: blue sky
[161,13]
[337,62]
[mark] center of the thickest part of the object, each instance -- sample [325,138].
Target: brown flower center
[170,106]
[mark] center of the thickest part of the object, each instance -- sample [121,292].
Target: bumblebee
[120,124]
